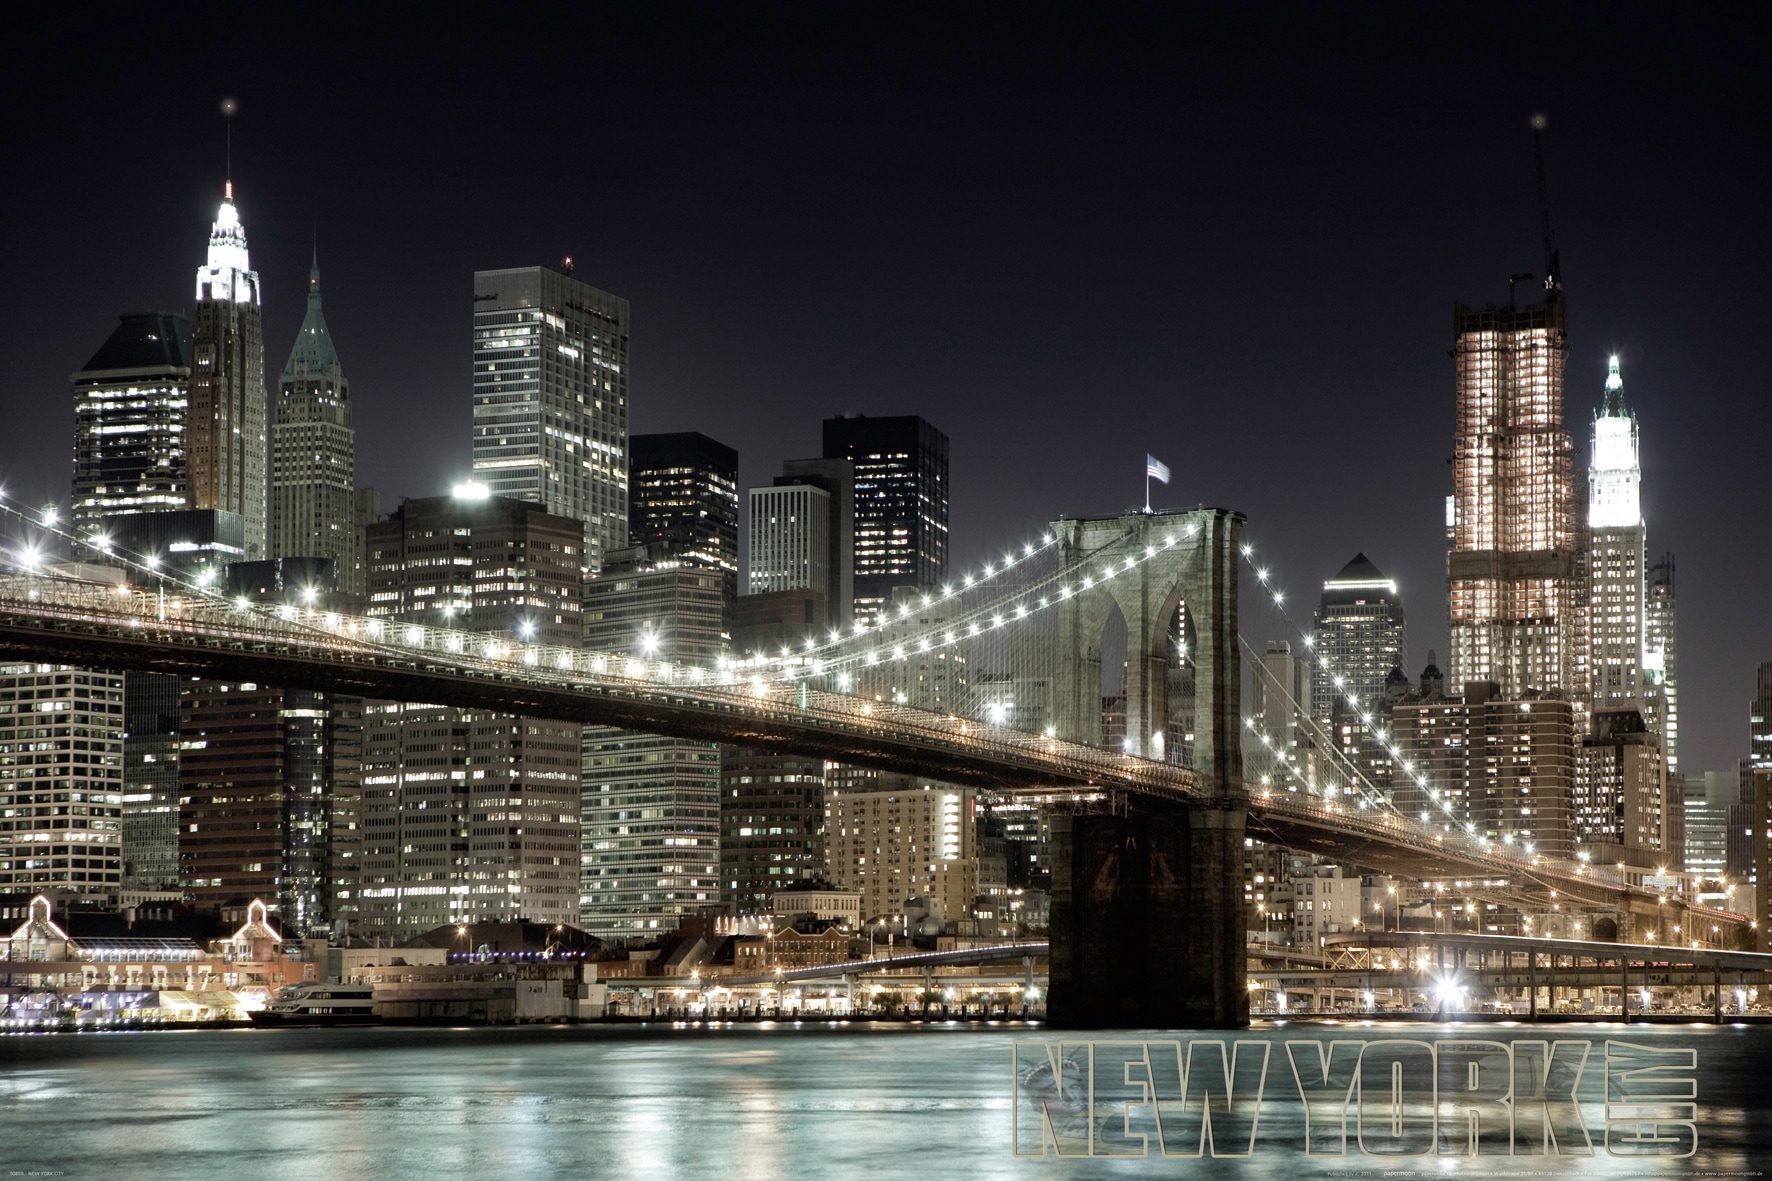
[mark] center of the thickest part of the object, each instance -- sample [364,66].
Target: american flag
[1156,469]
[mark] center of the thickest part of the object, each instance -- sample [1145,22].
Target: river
[732,1103]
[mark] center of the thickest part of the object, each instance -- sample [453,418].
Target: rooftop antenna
[228,107]
[1553,271]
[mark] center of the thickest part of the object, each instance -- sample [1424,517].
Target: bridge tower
[1147,901]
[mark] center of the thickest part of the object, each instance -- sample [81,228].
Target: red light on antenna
[566,265]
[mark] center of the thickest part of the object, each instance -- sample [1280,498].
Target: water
[733,1103]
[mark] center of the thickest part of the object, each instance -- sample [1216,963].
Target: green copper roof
[313,351]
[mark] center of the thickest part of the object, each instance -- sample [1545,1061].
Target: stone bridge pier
[1148,926]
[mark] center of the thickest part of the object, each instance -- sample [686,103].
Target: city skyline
[1163,392]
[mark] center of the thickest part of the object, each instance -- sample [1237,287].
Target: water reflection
[731,1103]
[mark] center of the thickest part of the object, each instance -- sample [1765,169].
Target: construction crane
[1553,282]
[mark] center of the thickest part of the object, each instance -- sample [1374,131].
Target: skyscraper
[790,540]
[150,780]
[468,815]
[901,503]
[64,826]
[771,824]
[551,398]
[683,501]
[314,453]
[1514,616]
[1615,576]
[650,850]
[1360,636]
[130,403]
[226,431]
[1661,665]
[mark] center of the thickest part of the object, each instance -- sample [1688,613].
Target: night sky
[1065,239]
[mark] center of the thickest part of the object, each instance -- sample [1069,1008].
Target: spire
[1614,403]
[313,354]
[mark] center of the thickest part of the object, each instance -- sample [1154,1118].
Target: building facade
[897,839]
[1360,635]
[314,454]
[61,779]
[551,398]
[261,771]
[1501,767]
[1515,615]
[650,820]
[130,421]
[771,825]
[1661,663]
[901,504]
[150,780]
[225,437]
[1621,796]
[790,540]
[683,501]
[468,815]
[1615,574]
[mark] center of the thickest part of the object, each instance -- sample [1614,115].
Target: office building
[1708,798]
[1283,696]
[899,838]
[314,454]
[790,540]
[683,502]
[470,816]
[1620,789]
[61,780]
[901,504]
[1661,665]
[130,403]
[225,436]
[551,398]
[1515,616]
[650,821]
[1615,575]
[771,825]
[836,477]
[937,678]
[260,772]
[1360,635]
[150,780]
[1503,768]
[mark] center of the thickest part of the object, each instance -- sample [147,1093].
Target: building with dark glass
[130,402]
[683,501]
[901,503]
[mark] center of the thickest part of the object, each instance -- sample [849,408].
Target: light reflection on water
[733,1103]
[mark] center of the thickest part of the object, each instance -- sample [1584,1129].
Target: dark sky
[1064,237]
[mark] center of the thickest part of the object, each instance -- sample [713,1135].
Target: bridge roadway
[56,620]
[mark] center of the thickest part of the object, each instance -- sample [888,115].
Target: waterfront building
[771,825]
[225,435]
[551,398]
[683,502]
[1501,767]
[469,815]
[650,821]
[130,421]
[1615,574]
[314,453]
[900,838]
[900,469]
[1324,902]
[61,779]
[1515,615]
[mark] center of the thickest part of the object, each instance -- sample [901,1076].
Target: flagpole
[1147,486]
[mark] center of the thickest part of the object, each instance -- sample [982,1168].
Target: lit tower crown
[228,273]
[1614,473]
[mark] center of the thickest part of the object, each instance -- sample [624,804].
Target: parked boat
[316,1003]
